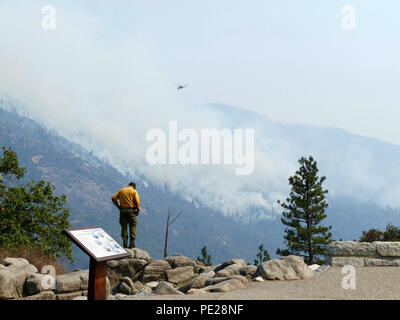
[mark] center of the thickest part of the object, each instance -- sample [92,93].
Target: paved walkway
[371,283]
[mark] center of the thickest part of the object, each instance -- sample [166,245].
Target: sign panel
[97,243]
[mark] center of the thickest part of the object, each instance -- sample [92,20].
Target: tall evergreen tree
[303,214]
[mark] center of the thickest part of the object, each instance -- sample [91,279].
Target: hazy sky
[289,60]
[108,73]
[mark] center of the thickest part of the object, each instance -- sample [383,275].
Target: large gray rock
[225,286]
[287,268]
[298,265]
[164,287]
[249,270]
[178,260]
[233,269]
[228,263]
[72,282]
[180,275]
[155,271]
[13,276]
[351,248]
[141,254]
[124,288]
[7,262]
[127,286]
[34,283]
[276,269]
[129,267]
[388,249]
[200,281]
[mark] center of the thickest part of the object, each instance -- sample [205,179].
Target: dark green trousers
[127,217]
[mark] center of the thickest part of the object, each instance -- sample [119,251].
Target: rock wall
[360,254]
[140,275]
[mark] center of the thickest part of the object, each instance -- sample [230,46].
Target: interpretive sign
[96,243]
[101,247]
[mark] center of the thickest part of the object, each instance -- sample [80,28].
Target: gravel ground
[371,283]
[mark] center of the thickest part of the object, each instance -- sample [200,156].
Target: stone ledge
[375,249]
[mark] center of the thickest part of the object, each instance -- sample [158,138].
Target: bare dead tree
[170,220]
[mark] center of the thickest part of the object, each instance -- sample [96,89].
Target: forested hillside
[89,183]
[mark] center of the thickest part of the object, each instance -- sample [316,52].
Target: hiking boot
[132,245]
[125,245]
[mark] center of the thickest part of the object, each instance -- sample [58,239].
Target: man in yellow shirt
[129,207]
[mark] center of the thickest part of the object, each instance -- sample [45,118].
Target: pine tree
[206,258]
[303,214]
[262,255]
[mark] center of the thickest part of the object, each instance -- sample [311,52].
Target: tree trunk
[166,237]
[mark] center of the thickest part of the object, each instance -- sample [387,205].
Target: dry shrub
[35,257]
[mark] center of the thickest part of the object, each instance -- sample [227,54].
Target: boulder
[72,282]
[225,286]
[178,260]
[155,271]
[165,287]
[127,286]
[351,248]
[152,284]
[14,262]
[199,281]
[34,283]
[276,269]
[129,267]
[141,254]
[138,285]
[230,270]
[44,295]
[321,269]
[298,265]
[388,249]
[124,288]
[249,270]
[180,275]
[287,268]
[13,276]
[228,263]
[313,267]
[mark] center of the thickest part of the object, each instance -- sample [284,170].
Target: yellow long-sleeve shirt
[128,198]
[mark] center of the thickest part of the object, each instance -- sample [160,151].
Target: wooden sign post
[99,245]
[97,280]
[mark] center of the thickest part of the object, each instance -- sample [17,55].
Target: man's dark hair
[132,184]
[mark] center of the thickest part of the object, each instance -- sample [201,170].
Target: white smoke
[107,96]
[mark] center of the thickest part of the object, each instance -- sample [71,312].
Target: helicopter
[181,86]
